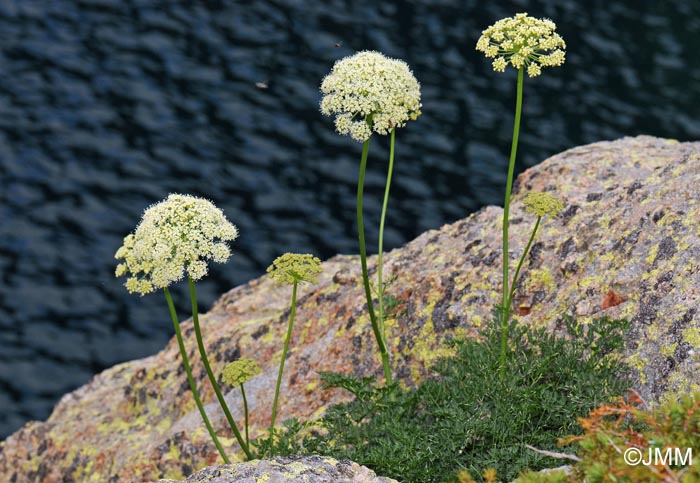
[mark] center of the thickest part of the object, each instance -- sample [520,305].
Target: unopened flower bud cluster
[295,267]
[239,372]
[542,204]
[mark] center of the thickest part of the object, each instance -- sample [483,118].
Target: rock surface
[626,245]
[309,469]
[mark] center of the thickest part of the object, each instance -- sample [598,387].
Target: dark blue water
[106,106]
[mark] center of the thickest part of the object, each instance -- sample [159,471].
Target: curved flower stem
[190,379]
[284,357]
[506,213]
[210,373]
[380,254]
[245,411]
[363,260]
[521,261]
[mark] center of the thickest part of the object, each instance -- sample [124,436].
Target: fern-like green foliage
[465,417]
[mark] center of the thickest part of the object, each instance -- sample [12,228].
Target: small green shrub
[467,417]
[612,429]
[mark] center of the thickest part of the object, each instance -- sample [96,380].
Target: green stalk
[363,260]
[506,214]
[210,373]
[190,379]
[522,260]
[380,280]
[245,410]
[284,356]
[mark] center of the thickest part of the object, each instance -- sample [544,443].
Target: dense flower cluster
[370,92]
[176,236]
[295,267]
[524,42]
[239,372]
[542,204]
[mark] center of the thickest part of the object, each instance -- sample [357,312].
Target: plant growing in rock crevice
[527,44]
[370,93]
[466,417]
[289,269]
[236,374]
[175,239]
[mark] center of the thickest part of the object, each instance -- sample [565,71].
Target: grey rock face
[291,469]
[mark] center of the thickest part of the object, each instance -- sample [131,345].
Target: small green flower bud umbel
[295,267]
[239,372]
[542,204]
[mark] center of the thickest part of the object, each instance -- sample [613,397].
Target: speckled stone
[291,469]
[630,225]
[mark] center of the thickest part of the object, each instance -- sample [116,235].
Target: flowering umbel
[524,42]
[176,236]
[295,267]
[370,92]
[542,204]
[239,372]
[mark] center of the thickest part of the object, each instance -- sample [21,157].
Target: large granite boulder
[626,245]
[308,469]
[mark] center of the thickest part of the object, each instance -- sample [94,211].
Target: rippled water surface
[106,106]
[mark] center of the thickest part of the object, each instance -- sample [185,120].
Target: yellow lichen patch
[311,386]
[270,335]
[538,279]
[427,349]
[637,362]
[173,453]
[652,254]
[595,280]
[174,472]
[692,336]
[651,274]
[682,244]
[668,350]
[668,219]
[629,308]
[163,425]
[607,257]
[678,385]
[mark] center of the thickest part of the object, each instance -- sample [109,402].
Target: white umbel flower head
[524,42]
[176,236]
[370,92]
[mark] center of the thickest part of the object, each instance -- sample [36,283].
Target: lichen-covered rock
[626,245]
[291,469]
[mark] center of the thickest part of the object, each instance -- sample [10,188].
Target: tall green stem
[210,373]
[190,379]
[363,260]
[380,279]
[506,214]
[281,370]
[522,260]
[245,412]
